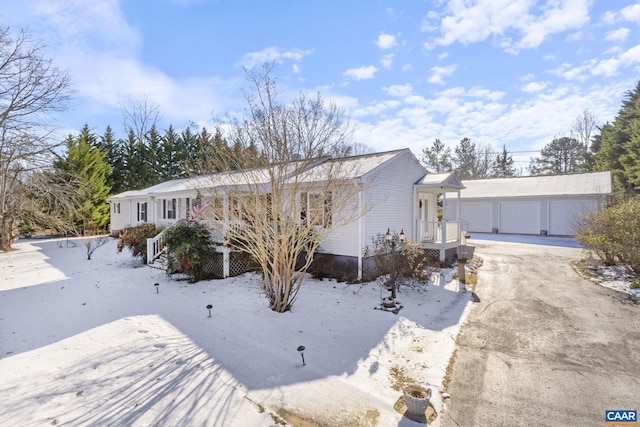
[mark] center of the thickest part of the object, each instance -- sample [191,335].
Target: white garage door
[477,217]
[520,217]
[563,215]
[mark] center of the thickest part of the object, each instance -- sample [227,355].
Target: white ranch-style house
[396,194]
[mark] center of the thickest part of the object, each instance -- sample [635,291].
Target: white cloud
[439,73]
[455,113]
[532,87]
[631,13]
[361,73]
[443,55]
[387,60]
[509,20]
[271,54]
[386,41]
[618,35]
[609,17]
[631,56]
[399,90]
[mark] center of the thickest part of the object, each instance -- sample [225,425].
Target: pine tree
[137,172]
[172,156]
[437,158]
[465,159]
[563,155]
[85,165]
[616,149]
[113,156]
[503,166]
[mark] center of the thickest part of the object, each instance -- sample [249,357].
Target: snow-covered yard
[94,343]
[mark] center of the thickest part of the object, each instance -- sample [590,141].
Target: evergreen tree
[630,160]
[437,158]
[563,155]
[503,166]
[113,155]
[85,165]
[154,166]
[617,149]
[465,159]
[172,156]
[135,170]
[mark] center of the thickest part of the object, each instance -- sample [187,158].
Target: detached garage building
[544,205]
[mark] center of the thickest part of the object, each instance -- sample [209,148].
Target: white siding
[343,240]
[389,198]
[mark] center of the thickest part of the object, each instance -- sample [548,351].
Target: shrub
[614,233]
[135,238]
[189,247]
[635,284]
[332,267]
[408,260]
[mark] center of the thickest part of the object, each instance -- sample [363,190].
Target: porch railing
[431,231]
[155,247]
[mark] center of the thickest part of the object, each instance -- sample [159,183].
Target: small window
[169,209]
[142,212]
[316,208]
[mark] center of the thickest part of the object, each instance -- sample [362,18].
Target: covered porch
[434,230]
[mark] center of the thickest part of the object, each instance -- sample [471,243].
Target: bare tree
[94,243]
[582,128]
[30,89]
[485,161]
[139,116]
[280,213]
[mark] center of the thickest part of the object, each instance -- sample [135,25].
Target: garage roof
[594,183]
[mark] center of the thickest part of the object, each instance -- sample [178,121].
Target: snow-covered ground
[86,343]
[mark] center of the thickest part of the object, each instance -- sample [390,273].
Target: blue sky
[501,72]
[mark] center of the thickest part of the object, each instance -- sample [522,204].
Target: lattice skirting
[215,265]
[433,254]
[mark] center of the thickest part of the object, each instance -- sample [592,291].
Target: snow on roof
[595,183]
[347,168]
[309,171]
[449,180]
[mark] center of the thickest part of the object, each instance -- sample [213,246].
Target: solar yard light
[157,285]
[209,307]
[301,350]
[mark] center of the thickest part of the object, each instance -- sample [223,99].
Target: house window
[169,208]
[116,208]
[142,212]
[316,208]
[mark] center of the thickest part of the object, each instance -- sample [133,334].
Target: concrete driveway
[543,346]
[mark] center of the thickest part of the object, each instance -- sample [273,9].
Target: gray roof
[308,171]
[440,180]
[594,183]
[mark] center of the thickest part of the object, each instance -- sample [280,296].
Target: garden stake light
[301,350]
[157,285]
[209,307]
